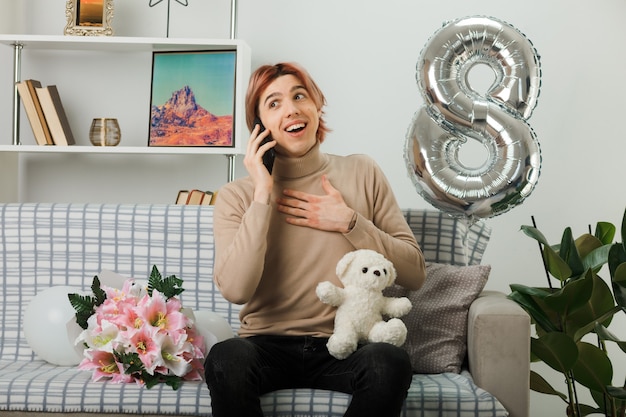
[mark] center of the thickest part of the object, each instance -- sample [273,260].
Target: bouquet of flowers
[139,333]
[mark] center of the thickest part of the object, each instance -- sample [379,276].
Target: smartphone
[268,157]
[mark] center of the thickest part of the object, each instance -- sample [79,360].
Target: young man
[278,235]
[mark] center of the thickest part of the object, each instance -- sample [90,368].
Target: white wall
[363,55]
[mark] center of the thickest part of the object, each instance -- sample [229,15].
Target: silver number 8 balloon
[455,113]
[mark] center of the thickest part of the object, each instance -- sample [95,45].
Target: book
[55,115]
[213,198]
[195,197]
[182,196]
[34,112]
[208,198]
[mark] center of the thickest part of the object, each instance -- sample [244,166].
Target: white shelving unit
[12,151]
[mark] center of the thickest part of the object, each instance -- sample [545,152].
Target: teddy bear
[361,304]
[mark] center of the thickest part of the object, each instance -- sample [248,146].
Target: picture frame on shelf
[192,98]
[89,17]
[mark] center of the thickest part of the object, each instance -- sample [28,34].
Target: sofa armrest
[498,342]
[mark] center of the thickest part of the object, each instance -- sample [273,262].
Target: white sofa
[43,245]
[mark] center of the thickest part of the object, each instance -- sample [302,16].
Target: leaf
[98,292]
[534,233]
[619,276]
[169,286]
[569,253]
[556,265]
[535,292]
[154,281]
[527,298]
[599,308]
[616,260]
[597,258]
[617,256]
[591,326]
[586,243]
[603,401]
[571,296]
[132,362]
[173,381]
[172,286]
[134,366]
[605,232]
[605,334]
[539,384]
[586,410]
[84,307]
[81,302]
[616,392]
[151,380]
[556,349]
[593,368]
[618,282]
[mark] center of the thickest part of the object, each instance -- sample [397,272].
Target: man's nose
[291,108]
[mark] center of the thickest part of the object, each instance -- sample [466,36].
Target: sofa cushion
[437,323]
[448,240]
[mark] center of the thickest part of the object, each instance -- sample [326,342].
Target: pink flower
[197,341]
[144,343]
[165,315]
[104,366]
[117,310]
[196,357]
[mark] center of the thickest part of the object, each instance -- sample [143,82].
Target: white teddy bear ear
[392,274]
[344,263]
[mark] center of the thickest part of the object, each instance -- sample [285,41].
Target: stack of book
[45,113]
[196,197]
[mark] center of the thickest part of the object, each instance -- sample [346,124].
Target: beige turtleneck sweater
[273,267]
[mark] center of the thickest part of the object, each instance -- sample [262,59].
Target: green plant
[571,318]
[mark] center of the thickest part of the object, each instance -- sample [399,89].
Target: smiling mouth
[296,127]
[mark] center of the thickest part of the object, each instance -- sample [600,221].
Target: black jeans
[239,370]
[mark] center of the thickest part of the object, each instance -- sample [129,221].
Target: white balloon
[213,327]
[45,326]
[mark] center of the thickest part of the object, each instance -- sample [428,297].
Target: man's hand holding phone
[261,175]
[269,155]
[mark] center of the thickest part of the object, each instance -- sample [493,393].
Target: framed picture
[192,99]
[89,17]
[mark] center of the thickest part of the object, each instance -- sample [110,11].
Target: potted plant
[571,316]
